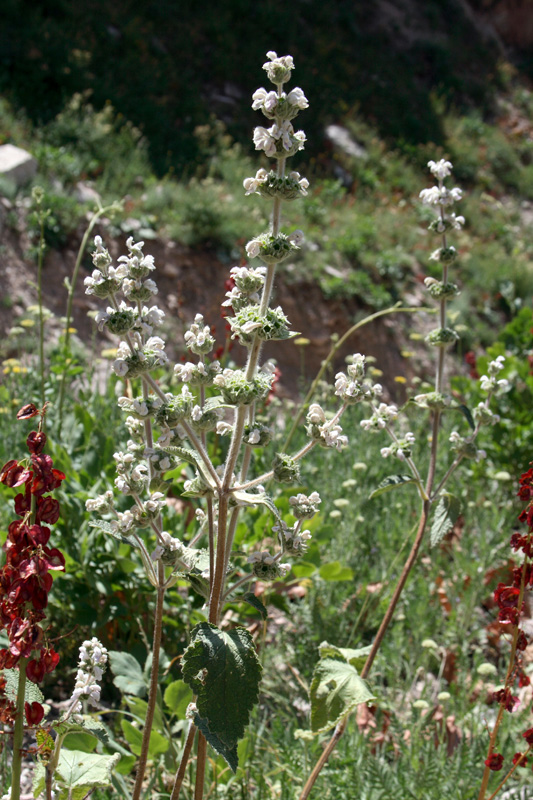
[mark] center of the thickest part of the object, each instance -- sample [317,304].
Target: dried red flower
[34,713]
[494,762]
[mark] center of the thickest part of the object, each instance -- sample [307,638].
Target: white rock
[17,164]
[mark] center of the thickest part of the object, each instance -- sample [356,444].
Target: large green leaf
[77,773]
[228,754]
[336,690]
[391,482]
[128,673]
[83,724]
[446,514]
[223,670]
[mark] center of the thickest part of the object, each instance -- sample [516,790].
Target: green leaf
[128,673]
[336,690]
[84,742]
[77,773]
[335,571]
[199,584]
[177,697]
[467,415]
[223,670]
[134,736]
[191,458]
[355,657]
[32,693]
[228,754]
[251,499]
[391,482]
[304,569]
[106,527]
[446,513]
[195,559]
[254,601]
[85,725]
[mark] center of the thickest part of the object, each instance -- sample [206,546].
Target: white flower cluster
[304,507]
[351,387]
[279,140]
[166,543]
[400,450]
[91,667]
[489,383]
[279,68]
[466,447]
[293,540]
[326,432]
[381,417]
[279,105]
[262,178]
[102,504]
[441,197]
[198,338]
[266,566]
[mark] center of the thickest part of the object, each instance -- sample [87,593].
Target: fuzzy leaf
[336,690]
[195,559]
[229,754]
[84,724]
[198,583]
[391,482]
[223,670]
[128,673]
[106,527]
[32,693]
[77,773]
[191,458]
[251,499]
[355,657]
[254,601]
[445,517]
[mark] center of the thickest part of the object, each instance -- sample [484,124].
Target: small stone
[17,164]
[86,194]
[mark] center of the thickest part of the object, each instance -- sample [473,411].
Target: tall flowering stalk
[25,581]
[170,427]
[401,446]
[510,602]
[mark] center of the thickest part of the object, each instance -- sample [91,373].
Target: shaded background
[167,65]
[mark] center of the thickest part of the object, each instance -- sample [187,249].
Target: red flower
[36,442]
[494,762]
[28,411]
[14,474]
[506,596]
[528,735]
[34,713]
[517,757]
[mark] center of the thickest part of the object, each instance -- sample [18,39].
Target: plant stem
[184,761]
[154,684]
[201,758]
[70,301]
[18,732]
[40,304]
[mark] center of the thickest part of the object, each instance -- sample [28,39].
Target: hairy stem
[184,761]
[18,733]
[154,684]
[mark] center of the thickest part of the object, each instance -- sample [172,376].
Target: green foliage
[444,518]
[223,671]
[77,773]
[336,689]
